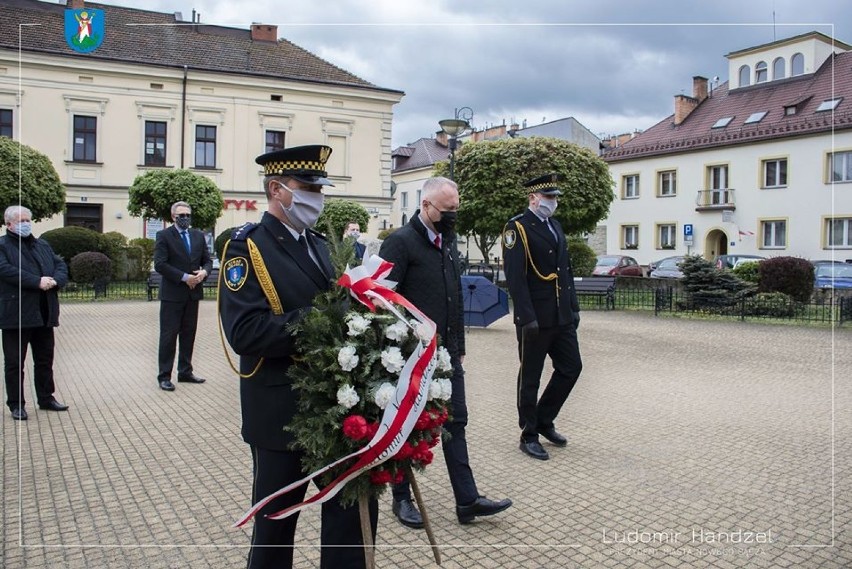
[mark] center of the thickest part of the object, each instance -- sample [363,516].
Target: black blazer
[254,331]
[172,260]
[532,297]
[23,261]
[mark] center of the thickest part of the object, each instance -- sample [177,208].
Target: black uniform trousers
[15,343]
[178,321]
[455,448]
[560,343]
[272,471]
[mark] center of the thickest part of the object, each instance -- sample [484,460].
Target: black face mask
[446,226]
[183,222]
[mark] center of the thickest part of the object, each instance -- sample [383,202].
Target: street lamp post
[453,128]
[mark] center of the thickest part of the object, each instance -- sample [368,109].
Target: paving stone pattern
[679,431]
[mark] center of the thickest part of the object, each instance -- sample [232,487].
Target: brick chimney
[683,106]
[442,138]
[75,4]
[263,32]
[699,88]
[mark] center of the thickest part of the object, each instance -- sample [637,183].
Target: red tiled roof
[424,152]
[145,37]
[832,80]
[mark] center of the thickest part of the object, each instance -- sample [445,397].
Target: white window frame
[403,201]
[777,182]
[845,157]
[773,234]
[630,236]
[845,225]
[155,112]
[90,107]
[761,72]
[666,235]
[630,186]
[667,183]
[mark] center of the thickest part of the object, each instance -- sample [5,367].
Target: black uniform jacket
[256,331]
[533,297]
[23,261]
[430,279]
[172,260]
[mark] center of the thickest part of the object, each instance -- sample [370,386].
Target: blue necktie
[186,241]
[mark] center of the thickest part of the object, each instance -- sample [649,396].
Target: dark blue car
[833,275]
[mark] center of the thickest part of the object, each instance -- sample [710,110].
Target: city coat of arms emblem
[84,29]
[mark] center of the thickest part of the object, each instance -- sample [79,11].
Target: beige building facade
[106,117]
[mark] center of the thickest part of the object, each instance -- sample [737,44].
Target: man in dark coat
[427,270]
[353,232]
[546,312]
[31,275]
[271,272]
[182,257]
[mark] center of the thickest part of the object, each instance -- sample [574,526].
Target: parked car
[617,265]
[668,268]
[728,261]
[745,260]
[833,275]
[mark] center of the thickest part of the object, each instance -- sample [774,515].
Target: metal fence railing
[115,290]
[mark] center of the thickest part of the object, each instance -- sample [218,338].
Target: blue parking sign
[687,230]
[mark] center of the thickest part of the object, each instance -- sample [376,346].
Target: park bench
[155,278]
[481,270]
[601,287]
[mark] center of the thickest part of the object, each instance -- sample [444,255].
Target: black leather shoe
[407,514]
[53,405]
[167,385]
[481,507]
[553,436]
[534,449]
[191,379]
[19,414]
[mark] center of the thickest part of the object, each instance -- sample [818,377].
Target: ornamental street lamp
[454,128]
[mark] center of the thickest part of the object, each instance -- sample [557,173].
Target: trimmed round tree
[491,174]
[153,193]
[28,178]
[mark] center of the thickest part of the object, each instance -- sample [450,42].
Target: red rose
[380,476]
[355,427]
[424,421]
[404,452]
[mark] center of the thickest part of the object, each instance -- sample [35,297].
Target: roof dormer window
[829,105]
[761,73]
[722,123]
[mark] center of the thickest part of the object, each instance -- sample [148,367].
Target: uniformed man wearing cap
[546,313]
[271,272]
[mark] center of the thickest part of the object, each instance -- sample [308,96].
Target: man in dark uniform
[271,272]
[426,268]
[546,311]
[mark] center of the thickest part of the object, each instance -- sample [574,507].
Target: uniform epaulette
[517,217]
[318,234]
[243,231]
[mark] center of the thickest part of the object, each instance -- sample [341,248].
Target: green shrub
[91,267]
[709,288]
[583,258]
[221,239]
[69,241]
[775,304]
[112,244]
[146,257]
[790,275]
[749,272]
[383,234]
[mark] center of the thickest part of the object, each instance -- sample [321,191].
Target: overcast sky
[615,66]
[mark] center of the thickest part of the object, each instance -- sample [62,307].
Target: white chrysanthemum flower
[446,388]
[384,394]
[357,324]
[347,397]
[397,331]
[421,330]
[347,358]
[392,359]
[435,390]
[444,362]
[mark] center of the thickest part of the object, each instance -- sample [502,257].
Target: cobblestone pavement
[682,433]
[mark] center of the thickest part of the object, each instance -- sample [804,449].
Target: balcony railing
[712,200]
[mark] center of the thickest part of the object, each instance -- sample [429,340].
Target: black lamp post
[453,128]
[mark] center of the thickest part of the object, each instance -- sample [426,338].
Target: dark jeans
[340,526]
[455,449]
[178,320]
[14,356]
[560,343]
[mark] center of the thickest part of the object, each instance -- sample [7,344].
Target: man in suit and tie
[182,257]
[546,312]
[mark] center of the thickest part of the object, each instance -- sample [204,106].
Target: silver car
[668,268]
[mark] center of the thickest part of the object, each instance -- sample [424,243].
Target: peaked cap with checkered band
[303,163]
[545,185]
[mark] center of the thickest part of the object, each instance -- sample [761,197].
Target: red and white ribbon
[368,285]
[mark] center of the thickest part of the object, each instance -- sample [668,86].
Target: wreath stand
[367,535]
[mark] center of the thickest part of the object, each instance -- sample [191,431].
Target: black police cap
[303,163]
[545,185]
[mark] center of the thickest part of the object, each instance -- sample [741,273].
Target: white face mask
[24,228]
[546,207]
[355,233]
[305,208]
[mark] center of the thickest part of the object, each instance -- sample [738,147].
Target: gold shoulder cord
[552,276]
[268,291]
